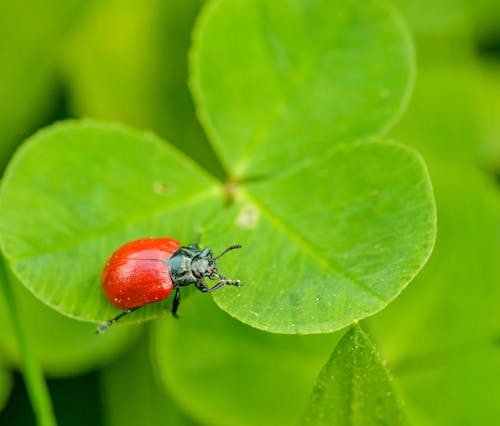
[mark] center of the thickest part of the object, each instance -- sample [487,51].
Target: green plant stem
[32,372]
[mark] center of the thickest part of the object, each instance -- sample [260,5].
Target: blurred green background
[127,61]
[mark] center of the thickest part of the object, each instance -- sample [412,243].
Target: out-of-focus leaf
[128,62]
[31,33]
[138,398]
[449,19]
[226,373]
[354,387]
[443,120]
[488,105]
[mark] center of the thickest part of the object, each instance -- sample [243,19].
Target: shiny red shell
[137,273]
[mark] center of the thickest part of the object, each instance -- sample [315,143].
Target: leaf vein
[98,233]
[309,248]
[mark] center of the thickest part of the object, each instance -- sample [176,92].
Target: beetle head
[204,264]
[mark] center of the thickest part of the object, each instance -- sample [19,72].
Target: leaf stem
[31,369]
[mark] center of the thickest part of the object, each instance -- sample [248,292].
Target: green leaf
[298,78]
[295,77]
[64,211]
[138,398]
[226,373]
[354,387]
[329,241]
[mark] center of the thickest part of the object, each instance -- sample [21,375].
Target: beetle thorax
[188,266]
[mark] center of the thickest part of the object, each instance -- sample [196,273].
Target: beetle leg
[175,304]
[203,288]
[236,283]
[106,324]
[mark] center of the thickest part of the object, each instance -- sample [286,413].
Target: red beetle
[147,270]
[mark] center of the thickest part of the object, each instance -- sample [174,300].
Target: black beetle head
[204,264]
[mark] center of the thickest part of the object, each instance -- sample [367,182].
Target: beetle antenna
[233,247]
